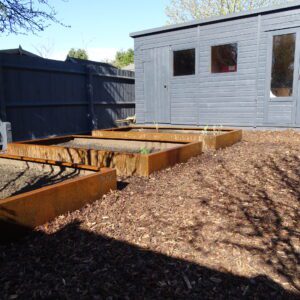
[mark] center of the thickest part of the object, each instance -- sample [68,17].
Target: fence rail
[42,97]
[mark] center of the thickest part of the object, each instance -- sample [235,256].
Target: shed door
[283,83]
[156,85]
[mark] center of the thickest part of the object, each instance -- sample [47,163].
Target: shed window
[224,58]
[282,65]
[184,62]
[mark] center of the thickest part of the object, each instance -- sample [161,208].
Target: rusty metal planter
[125,163]
[36,207]
[224,137]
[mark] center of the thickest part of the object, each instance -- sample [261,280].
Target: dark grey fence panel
[44,97]
[30,122]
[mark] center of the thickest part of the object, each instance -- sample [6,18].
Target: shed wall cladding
[228,98]
[181,91]
[239,98]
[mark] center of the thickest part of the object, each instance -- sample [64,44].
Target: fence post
[90,97]
[2,97]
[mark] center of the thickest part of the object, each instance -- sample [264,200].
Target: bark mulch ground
[225,225]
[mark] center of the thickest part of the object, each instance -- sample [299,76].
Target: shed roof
[240,15]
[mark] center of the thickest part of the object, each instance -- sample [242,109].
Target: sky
[100,26]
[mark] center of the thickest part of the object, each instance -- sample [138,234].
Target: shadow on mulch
[121,185]
[77,264]
[265,213]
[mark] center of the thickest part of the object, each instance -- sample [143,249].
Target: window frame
[237,59]
[182,48]
[269,66]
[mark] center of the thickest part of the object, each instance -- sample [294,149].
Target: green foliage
[179,11]
[78,53]
[144,151]
[215,130]
[124,58]
[205,130]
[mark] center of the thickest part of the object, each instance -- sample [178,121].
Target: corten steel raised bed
[31,205]
[125,155]
[211,139]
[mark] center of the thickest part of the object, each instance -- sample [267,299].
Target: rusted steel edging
[34,208]
[125,163]
[51,152]
[178,127]
[228,138]
[51,162]
[149,136]
[168,158]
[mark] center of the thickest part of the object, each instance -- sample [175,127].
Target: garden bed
[212,138]
[128,156]
[33,192]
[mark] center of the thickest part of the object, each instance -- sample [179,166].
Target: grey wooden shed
[237,70]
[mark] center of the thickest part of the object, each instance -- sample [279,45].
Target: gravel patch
[16,179]
[130,146]
[76,144]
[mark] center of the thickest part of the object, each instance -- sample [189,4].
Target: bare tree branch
[23,16]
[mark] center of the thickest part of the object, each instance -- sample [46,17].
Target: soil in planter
[180,131]
[119,145]
[20,177]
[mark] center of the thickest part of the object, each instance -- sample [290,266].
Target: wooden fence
[42,97]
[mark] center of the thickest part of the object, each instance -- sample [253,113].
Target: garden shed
[236,70]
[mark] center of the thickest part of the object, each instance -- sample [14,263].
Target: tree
[78,53]
[124,58]
[23,16]
[186,10]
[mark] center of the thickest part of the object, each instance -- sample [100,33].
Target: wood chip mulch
[225,225]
